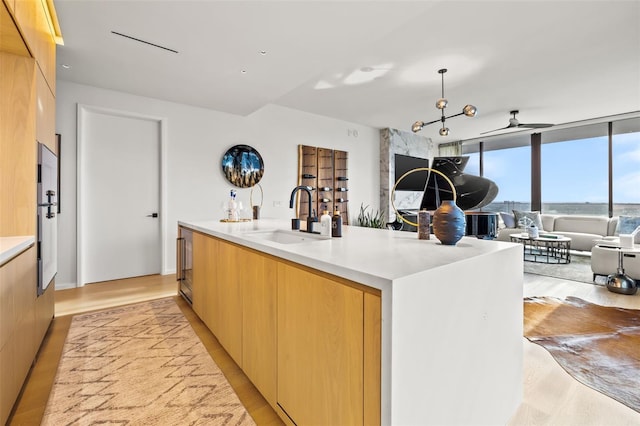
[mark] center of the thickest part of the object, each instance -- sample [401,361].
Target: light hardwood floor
[551,396]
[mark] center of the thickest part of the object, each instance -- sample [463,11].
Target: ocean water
[596,209]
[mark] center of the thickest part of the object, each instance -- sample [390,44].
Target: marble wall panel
[393,142]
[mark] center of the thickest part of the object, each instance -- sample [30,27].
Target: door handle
[180,258]
[152,215]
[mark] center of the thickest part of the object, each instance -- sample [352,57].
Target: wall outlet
[277,204]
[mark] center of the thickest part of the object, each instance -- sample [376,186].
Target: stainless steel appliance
[47,220]
[184,251]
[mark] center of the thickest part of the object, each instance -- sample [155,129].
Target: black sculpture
[473,192]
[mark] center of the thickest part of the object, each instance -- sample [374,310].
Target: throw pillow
[531,217]
[508,219]
[627,224]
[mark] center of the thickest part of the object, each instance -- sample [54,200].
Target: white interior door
[119,208]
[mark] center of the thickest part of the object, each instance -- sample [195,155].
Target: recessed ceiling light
[243,71]
[263,52]
[66,66]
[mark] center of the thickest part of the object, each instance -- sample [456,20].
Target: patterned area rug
[578,270]
[597,345]
[140,365]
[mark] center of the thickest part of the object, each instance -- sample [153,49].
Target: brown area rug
[598,345]
[140,365]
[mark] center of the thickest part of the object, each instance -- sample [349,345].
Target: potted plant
[370,219]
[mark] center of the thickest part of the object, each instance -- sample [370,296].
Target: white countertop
[374,257]
[10,247]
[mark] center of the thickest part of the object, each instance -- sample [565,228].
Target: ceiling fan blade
[502,128]
[535,125]
[514,123]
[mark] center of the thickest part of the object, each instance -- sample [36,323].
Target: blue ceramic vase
[449,223]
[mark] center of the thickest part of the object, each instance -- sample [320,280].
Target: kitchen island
[438,328]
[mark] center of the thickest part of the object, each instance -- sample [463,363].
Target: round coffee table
[547,248]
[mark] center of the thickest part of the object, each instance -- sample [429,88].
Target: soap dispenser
[325,224]
[336,224]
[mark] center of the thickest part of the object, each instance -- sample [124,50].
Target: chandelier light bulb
[442,103]
[417,126]
[444,131]
[470,110]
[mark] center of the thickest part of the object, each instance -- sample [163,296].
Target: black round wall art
[242,165]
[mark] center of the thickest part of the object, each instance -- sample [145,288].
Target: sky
[574,171]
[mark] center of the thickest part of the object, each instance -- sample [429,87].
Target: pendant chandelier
[441,104]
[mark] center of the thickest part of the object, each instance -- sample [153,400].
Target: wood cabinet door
[204,253]
[18,156]
[259,289]
[45,113]
[32,19]
[320,349]
[18,345]
[372,359]
[10,39]
[227,299]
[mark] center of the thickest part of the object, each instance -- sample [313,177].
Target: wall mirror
[242,165]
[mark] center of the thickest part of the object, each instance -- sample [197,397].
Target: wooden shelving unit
[325,170]
[308,176]
[341,183]
[324,200]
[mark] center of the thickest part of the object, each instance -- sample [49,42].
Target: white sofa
[584,231]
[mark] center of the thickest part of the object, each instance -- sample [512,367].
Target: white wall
[196,140]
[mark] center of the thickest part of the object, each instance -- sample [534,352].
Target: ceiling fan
[514,123]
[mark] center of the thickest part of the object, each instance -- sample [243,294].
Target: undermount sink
[286,237]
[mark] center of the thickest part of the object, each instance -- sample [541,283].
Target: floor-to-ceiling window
[626,167]
[473,165]
[574,171]
[508,164]
[575,176]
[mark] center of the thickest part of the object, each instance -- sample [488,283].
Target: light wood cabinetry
[217,295]
[227,300]
[234,294]
[372,358]
[259,289]
[310,342]
[320,349]
[10,38]
[17,146]
[27,111]
[45,113]
[18,342]
[45,310]
[204,249]
[32,18]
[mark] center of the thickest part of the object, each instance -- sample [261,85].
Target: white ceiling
[555,61]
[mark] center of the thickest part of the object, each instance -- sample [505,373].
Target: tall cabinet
[28,32]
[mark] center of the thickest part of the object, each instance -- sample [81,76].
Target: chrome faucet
[310,218]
